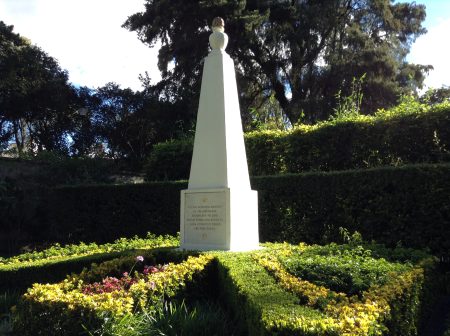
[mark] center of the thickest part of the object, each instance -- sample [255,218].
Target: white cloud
[431,49]
[86,37]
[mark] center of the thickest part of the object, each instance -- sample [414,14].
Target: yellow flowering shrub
[372,314]
[266,296]
[54,263]
[66,307]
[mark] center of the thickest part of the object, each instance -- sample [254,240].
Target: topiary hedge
[103,213]
[54,263]
[76,304]
[408,133]
[260,288]
[407,206]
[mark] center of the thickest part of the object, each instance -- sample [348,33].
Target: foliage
[103,213]
[436,96]
[349,107]
[411,132]
[369,315]
[55,262]
[36,101]
[170,160]
[200,318]
[57,251]
[351,271]
[41,111]
[126,123]
[67,308]
[285,50]
[390,308]
[405,205]
[259,292]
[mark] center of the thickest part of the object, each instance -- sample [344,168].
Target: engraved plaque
[205,218]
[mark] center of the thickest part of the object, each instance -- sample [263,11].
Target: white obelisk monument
[219,211]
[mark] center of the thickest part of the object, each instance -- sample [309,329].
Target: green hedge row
[284,304]
[104,213]
[409,133]
[65,308]
[262,306]
[407,206]
[256,287]
[53,264]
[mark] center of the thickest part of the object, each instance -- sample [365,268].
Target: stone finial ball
[218,22]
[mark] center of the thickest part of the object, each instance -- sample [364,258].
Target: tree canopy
[41,111]
[128,123]
[35,96]
[300,52]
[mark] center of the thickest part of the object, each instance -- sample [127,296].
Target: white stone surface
[206,219]
[219,170]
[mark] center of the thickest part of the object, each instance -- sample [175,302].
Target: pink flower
[140,258]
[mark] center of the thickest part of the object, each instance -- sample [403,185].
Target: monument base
[219,219]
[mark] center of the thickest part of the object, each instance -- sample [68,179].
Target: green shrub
[406,134]
[170,160]
[352,270]
[66,308]
[266,296]
[407,206]
[263,307]
[259,292]
[54,263]
[106,212]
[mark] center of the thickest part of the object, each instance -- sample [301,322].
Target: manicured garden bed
[282,289]
[54,263]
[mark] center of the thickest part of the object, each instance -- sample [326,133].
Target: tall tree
[302,52]
[126,122]
[36,100]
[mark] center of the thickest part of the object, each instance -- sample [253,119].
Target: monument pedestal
[219,211]
[219,219]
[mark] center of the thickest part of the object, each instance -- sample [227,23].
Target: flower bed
[390,294]
[384,298]
[280,290]
[54,263]
[72,305]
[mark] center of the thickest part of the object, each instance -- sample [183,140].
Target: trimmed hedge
[409,133]
[55,263]
[103,213]
[263,306]
[407,206]
[256,287]
[66,308]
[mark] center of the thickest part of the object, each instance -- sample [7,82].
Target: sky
[87,39]
[431,48]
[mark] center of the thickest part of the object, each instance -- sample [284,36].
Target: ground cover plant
[282,289]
